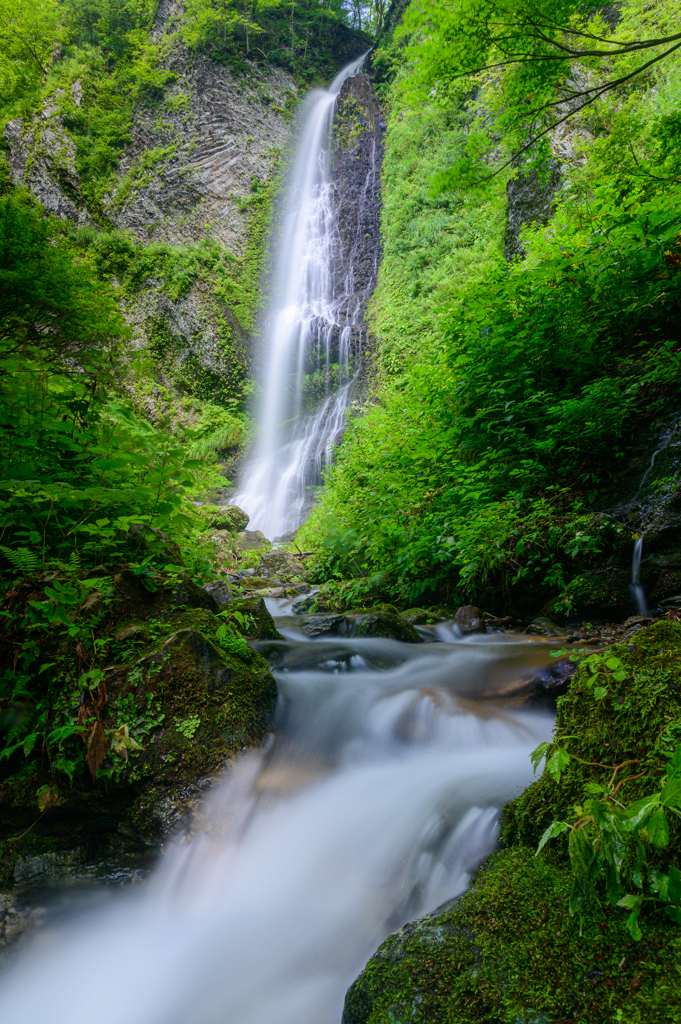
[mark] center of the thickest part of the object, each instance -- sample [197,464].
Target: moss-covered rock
[593,595]
[638,719]
[137,597]
[224,517]
[506,953]
[423,616]
[257,622]
[386,624]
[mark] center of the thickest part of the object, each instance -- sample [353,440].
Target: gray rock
[542,626]
[469,620]
[220,592]
[315,626]
[529,199]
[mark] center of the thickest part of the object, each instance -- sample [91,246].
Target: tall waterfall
[313,330]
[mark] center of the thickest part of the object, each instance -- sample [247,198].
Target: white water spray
[378,797]
[314,327]
[636,588]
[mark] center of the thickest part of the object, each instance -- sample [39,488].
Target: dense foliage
[481,471]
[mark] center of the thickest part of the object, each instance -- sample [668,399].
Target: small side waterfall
[314,332]
[636,588]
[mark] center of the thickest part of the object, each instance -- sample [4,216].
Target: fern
[23,560]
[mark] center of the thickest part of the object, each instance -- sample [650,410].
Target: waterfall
[314,328]
[636,588]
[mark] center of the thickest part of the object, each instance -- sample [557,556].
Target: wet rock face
[358,134]
[530,199]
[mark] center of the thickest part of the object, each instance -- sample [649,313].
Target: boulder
[282,564]
[542,626]
[257,623]
[469,620]
[385,624]
[332,624]
[224,517]
[220,591]
[251,540]
[423,616]
[133,597]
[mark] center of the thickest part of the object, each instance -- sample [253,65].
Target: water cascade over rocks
[326,272]
[378,795]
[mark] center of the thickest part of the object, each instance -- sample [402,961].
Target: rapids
[377,795]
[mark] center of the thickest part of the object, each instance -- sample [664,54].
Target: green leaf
[554,829]
[671,794]
[557,764]
[658,829]
[600,692]
[630,901]
[535,757]
[632,924]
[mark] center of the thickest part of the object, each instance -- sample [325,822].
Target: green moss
[506,953]
[638,720]
[224,517]
[258,623]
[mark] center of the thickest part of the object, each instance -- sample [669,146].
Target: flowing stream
[377,796]
[314,326]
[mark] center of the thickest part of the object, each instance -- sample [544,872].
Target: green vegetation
[511,399]
[302,37]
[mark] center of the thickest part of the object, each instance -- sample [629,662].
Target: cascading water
[636,588]
[315,328]
[378,796]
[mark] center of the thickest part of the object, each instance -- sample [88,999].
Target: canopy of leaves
[526,68]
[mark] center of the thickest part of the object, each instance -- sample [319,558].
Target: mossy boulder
[282,565]
[386,624]
[507,953]
[423,616]
[224,517]
[257,622]
[136,596]
[638,719]
[593,595]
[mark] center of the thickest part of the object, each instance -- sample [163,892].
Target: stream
[378,794]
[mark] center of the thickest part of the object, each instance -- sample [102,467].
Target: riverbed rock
[385,624]
[469,620]
[542,626]
[423,616]
[554,681]
[332,624]
[220,591]
[256,622]
[284,565]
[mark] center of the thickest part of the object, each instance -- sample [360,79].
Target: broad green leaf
[671,794]
[554,829]
[658,829]
[535,757]
[557,764]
